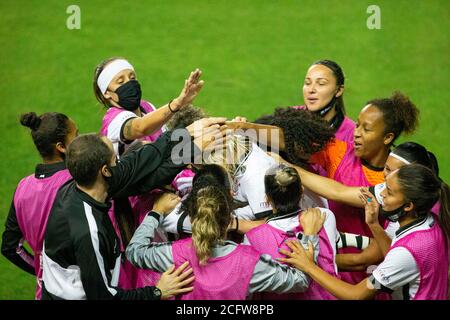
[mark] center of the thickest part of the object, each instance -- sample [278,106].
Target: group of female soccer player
[340,213]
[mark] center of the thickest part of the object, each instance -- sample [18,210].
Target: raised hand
[196,128]
[371,206]
[192,87]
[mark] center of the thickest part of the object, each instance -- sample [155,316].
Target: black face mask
[129,95]
[322,112]
[393,215]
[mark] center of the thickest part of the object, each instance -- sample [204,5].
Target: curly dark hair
[400,114]
[185,117]
[304,133]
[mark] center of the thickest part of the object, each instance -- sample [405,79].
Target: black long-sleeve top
[81,256]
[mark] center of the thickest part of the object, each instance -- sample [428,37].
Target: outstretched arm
[302,260]
[138,127]
[360,261]
[326,187]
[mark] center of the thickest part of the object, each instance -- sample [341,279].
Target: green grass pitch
[253,54]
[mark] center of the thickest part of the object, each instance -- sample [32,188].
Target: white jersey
[289,222]
[248,187]
[399,274]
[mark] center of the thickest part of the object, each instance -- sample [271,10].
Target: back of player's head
[207,175]
[210,221]
[304,132]
[423,188]
[232,154]
[47,130]
[87,154]
[185,117]
[283,188]
[212,174]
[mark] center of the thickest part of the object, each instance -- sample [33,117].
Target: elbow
[136,132]
[7,251]
[130,253]
[135,256]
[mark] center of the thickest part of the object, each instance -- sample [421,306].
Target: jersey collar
[47,170]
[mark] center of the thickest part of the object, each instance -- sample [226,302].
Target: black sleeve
[12,247]
[145,293]
[96,279]
[147,168]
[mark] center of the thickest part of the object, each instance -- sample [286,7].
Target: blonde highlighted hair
[209,221]
[232,154]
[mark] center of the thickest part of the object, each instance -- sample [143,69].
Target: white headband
[399,158]
[110,71]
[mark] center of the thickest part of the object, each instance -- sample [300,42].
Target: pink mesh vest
[33,201]
[130,276]
[344,133]
[430,250]
[222,278]
[267,239]
[350,219]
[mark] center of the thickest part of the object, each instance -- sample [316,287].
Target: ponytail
[210,221]
[46,130]
[124,216]
[416,153]
[423,188]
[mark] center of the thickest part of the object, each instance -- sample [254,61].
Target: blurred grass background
[253,53]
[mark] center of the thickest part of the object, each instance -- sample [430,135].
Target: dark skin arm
[326,187]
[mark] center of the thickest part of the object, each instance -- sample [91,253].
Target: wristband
[171,108]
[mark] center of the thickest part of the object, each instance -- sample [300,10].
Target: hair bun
[30,120]
[285,177]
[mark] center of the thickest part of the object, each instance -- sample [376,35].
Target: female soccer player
[404,154]
[223,269]
[284,191]
[323,94]
[52,133]
[416,266]
[379,124]
[128,117]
